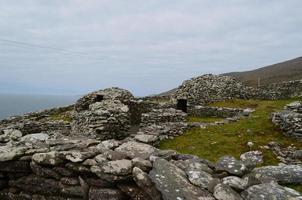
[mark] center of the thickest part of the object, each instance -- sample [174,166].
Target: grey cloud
[145,46]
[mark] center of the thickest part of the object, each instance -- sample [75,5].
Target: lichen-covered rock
[199,178]
[252,158]
[286,174]
[173,184]
[267,191]
[231,165]
[235,182]
[224,192]
[118,167]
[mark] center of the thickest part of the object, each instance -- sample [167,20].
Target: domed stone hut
[103,114]
[208,88]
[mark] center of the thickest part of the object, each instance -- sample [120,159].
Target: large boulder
[270,191]
[286,174]
[173,183]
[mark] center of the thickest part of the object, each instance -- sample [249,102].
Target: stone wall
[157,116]
[221,112]
[210,88]
[290,120]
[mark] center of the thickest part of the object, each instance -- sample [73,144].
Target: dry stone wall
[290,120]
[210,88]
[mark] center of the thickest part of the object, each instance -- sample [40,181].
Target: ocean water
[15,104]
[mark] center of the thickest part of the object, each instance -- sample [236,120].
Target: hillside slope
[285,71]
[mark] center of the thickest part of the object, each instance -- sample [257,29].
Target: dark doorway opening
[182,105]
[99,98]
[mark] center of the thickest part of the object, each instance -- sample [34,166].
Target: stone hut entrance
[99,98]
[182,105]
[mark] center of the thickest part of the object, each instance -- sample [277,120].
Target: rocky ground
[91,153]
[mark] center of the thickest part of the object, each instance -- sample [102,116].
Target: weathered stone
[10,134]
[72,191]
[76,156]
[199,178]
[286,174]
[173,184]
[270,191]
[69,181]
[117,167]
[224,192]
[44,172]
[133,191]
[50,158]
[231,165]
[15,166]
[114,155]
[135,149]
[144,165]
[106,194]
[7,154]
[252,158]
[235,182]
[36,137]
[37,185]
[146,138]
[145,183]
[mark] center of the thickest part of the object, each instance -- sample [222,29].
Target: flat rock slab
[285,174]
[136,149]
[173,184]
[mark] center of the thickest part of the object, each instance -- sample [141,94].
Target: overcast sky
[76,46]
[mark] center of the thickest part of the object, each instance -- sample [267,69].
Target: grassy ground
[215,141]
[65,116]
[204,119]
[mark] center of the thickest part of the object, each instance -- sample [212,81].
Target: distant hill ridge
[284,71]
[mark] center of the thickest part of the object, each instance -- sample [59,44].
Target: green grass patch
[203,119]
[65,116]
[237,103]
[213,142]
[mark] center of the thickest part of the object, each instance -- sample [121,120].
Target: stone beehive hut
[103,114]
[209,88]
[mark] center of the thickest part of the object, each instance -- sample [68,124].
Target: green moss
[204,119]
[295,187]
[230,139]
